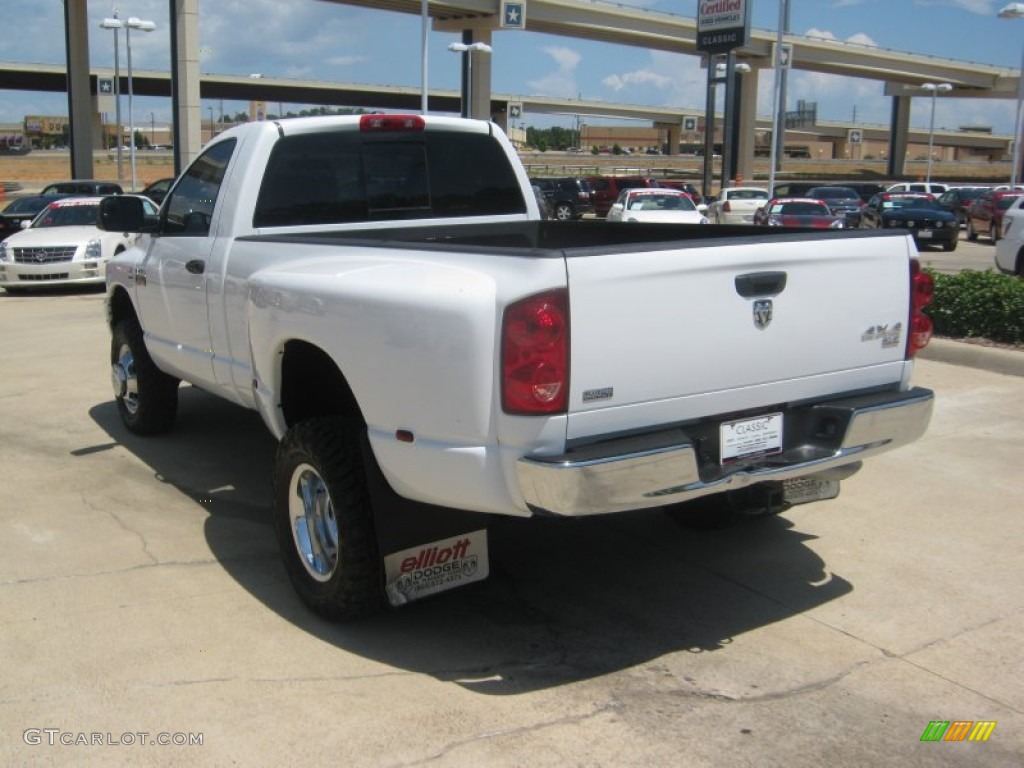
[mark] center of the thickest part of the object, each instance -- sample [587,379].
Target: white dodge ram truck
[429,352]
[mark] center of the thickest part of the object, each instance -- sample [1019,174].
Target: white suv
[918,186]
[1010,248]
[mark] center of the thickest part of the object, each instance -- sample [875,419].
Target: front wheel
[949,246]
[147,398]
[324,520]
[972,235]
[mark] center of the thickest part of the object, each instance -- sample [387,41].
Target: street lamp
[115,24]
[211,122]
[935,88]
[128,25]
[1016,11]
[469,49]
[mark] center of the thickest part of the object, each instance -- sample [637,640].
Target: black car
[88,187]
[914,211]
[842,201]
[23,209]
[158,190]
[958,199]
[568,197]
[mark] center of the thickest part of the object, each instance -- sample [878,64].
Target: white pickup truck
[429,352]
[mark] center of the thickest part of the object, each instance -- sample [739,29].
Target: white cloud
[636,78]
[562,82]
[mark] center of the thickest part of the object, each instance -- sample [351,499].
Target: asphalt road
[979,255]
[140,592]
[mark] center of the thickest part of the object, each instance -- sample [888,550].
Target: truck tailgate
[666,336]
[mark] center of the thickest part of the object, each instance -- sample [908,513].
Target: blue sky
[328,41]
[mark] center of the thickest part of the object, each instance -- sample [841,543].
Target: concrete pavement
[140,592]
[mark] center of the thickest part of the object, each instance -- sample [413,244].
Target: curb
[995,359]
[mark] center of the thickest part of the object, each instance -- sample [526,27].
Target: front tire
[146,397]
[950,246]
[564,212]
[324,519]
[972,235]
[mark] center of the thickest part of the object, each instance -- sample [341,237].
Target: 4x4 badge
[762,313]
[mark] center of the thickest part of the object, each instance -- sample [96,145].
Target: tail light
[391,123]
[922,288]
[726,208]
[535,354]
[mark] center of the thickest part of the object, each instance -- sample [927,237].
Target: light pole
[128,25]
[935,88]
[1016,11]
[152,130]
[468,49]
[115,24]
[211,122]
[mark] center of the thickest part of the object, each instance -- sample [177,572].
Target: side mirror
[702,208]
[25,223]
[124,213]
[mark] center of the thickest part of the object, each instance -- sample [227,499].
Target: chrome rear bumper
[670,465]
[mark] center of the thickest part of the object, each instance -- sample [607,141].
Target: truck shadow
[566,600]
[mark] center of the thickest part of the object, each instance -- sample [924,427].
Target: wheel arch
[312,385]
[119,306]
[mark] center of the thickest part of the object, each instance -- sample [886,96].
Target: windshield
[67,216]
[800,209]
[656,202]
[833,193]
[918,203]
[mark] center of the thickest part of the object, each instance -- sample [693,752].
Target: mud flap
[425,549]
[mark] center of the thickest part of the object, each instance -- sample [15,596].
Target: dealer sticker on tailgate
[761,436]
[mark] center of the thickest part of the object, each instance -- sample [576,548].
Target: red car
[985,216]
[605,190]
[798,212]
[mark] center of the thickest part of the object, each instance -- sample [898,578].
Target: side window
[190,209]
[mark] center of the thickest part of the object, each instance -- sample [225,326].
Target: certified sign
[722,24]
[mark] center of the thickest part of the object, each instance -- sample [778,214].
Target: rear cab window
[346,176]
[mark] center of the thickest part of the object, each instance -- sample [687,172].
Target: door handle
[195,266]
[760,284]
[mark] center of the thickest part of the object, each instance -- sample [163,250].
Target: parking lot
[144,608]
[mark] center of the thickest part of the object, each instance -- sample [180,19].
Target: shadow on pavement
[566,600]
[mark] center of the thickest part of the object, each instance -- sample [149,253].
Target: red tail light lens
[726,207]
[535,354]
[922,288]
[391,123]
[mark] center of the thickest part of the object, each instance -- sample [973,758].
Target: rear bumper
[671,465]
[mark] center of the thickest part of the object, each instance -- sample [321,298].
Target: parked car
[542,201]
[985,215]
[958,199]
[23,209]
[158,190]
[932,188]
[656,205]
[1010,248]
[916,211]
[567,197]
[63,246]
[683,186]
[83,187]
[606,189]
[842,201]
[798,212]
[737,205]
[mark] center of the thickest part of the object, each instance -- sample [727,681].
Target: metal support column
[80,112]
